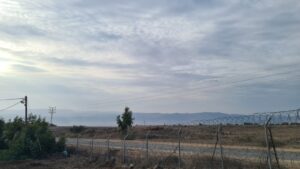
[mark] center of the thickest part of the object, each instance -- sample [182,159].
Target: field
[285,136]
[83,160]
[235,139]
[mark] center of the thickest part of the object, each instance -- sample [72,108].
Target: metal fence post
[99,144]
[77,144]
[297,116]
[274,148]
[179,149]
[218,140]
[108,149]
[215,147]
[92,148]
[221,146]
[267,143]
[147,145]
[124,149]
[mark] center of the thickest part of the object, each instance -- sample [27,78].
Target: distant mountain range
[94,118]
[176,118]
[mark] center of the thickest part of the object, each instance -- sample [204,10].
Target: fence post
[147,145]
[215,147]
[99,144]
[221,146]
[267,143]
[274,148]
[297,117]
[179,149]
[77,144]
[92,148]
[218,140]
[108,149]
[124,149]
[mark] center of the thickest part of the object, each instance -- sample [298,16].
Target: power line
[10,106]
[11,99]
[195,89]
[23,101]
[171,93]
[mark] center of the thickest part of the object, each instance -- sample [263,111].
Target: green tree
[31,140]
[126,120]
[13,128]
[2,142]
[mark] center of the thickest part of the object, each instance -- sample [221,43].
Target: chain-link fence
[245,142]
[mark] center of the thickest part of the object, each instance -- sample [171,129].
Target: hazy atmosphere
[150,84]
[153,56]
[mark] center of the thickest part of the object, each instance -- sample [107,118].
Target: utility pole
[25,104]
[24,101]
[52,110]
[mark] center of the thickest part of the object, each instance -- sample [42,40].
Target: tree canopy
[126,120]
[19,140]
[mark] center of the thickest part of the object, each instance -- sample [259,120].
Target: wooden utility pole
[25,104]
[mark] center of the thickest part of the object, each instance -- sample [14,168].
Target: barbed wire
[163,156]
[280,117]
[191,146]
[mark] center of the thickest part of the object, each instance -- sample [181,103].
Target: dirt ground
[84,161]
[52,163]
[285,136]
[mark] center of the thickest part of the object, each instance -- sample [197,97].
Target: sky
[235,56]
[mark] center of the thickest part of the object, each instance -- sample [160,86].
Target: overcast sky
[151,55]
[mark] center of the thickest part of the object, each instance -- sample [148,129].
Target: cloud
[143,48]
[20,30]
[84,63]
[26,68]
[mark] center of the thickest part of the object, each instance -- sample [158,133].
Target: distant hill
[175,118]
[94,118]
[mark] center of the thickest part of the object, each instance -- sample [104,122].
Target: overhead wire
[238,81]
[195,89]
[13,105]
[9,99]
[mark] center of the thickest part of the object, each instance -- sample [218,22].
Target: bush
[61,144]
[2,142]
[31,140]
[77,129]
[126,120]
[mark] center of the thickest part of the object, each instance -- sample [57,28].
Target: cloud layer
[233,56]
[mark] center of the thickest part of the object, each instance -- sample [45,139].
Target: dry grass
[284,136]
[84,160]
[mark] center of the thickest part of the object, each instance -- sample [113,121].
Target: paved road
[237,152]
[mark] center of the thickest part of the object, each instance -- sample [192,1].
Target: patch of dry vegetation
[285,136]
[99,160]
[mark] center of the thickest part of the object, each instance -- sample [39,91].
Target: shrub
[126,120]
[31,140]
[61,144]
[77,129]
[2,142]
